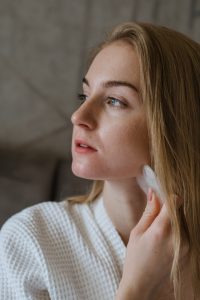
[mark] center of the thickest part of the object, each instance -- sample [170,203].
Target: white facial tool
[147,180]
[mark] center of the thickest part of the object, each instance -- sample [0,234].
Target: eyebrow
[112,83]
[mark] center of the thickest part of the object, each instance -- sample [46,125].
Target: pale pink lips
[83,147]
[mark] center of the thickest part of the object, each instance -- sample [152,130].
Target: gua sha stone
[147,180]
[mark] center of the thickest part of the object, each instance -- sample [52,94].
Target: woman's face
[111,118]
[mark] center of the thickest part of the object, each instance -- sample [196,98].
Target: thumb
[151,211]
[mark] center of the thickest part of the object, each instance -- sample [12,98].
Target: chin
[83,172]
[94,175]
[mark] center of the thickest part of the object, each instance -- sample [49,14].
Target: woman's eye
[115,102]
[82,97]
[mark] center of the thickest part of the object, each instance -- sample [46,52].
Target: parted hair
[170,91]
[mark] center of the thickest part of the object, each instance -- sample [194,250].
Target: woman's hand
[149,255]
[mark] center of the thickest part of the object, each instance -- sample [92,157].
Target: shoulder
[40,218]
[24,228]
[28,218]
[44,223]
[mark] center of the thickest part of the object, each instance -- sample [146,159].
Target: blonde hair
[170,89]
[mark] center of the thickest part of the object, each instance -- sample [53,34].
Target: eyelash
[82,98]
[121,103]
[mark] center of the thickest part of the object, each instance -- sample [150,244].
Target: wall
[44,45]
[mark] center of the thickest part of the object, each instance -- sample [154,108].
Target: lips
[82,146]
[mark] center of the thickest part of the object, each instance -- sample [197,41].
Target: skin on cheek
[127,149]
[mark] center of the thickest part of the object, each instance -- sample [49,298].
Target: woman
[140,106]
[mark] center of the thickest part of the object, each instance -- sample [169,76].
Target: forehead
[116,61]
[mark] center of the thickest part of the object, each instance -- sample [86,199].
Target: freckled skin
[118,133]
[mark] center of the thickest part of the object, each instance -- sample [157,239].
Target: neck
[124,202]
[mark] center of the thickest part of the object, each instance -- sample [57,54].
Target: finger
[164,216]
[162,222]
[150,213]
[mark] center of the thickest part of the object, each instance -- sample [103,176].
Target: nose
[85,116]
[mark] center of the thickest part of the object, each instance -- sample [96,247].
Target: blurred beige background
[43,49]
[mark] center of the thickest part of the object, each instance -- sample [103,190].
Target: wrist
[127,293]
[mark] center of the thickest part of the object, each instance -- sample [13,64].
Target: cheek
[128,142]
[133,136]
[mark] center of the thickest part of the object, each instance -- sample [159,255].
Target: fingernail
[150,194]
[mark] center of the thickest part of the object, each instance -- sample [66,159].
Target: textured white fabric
[60,251]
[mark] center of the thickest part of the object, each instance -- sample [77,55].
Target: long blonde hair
[170,89]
